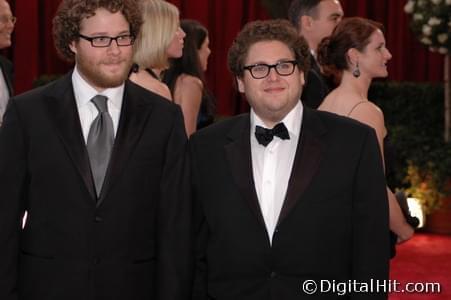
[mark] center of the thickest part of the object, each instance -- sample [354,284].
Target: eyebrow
[335,15]
[107,34]
[266,63]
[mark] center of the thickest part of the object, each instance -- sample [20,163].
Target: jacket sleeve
[13,181]
[174,234]
[370,251]
[200,233]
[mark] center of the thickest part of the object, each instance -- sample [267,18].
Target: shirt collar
[292,120]
[84,92]
[313,53]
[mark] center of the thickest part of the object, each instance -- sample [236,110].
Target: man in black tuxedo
[7,21]
[278,210]
[97,162]
[315,20]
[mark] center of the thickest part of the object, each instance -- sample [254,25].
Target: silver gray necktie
[100,141]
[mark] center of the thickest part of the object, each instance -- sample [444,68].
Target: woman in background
[160,39]
[354,54]
[186,78]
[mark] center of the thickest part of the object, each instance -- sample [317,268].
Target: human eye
[381,47]
[261,68]
[101,40]
[124,38]
[335,18]
[284,65]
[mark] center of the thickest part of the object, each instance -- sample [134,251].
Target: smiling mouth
[113,63]
[274,89]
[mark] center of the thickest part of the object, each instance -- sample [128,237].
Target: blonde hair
[160,23]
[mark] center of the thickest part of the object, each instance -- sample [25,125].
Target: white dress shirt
[86,109]
[272,166]
[4,95]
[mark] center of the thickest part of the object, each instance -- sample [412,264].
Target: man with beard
[94,161]
[7,21]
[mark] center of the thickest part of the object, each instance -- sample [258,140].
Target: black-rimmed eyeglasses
[260,71]
[6,19]
[105,41]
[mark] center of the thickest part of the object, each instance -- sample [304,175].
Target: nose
[181,33]
[114,47]
[273,76]
[388,55]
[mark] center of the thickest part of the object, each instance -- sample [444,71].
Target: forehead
[4,7]
[328,7]
[268,52]
[377,37]
[104,22]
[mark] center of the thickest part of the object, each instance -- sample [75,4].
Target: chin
[5,44]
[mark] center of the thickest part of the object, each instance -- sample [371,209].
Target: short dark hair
[70,13]
[350,33]
[299,8]
[269,30]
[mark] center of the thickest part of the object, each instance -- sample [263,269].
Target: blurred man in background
[315,20]
[7,21]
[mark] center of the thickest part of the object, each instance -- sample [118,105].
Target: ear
[240,83]
[72,47]
[305,23]
[353,56]
[301,78]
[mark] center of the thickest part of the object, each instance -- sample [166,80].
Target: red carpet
[424,259]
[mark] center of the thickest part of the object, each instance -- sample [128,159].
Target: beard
[96,74]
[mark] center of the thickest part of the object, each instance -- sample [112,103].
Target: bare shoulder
[143,79]
[369,113]
[186,80]
[188,89]
[367,108]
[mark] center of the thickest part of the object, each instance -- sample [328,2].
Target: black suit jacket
[7,70]
[316,86]
[133,242]
[333,224]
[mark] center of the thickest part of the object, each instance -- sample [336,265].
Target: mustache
[113,61]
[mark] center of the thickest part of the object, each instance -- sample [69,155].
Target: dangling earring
[356,71]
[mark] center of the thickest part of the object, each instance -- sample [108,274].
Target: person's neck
[157,72]
[359,86]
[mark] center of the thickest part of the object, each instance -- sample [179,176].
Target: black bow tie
[265,136]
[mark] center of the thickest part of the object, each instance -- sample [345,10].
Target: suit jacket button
[98,219]
[273,274]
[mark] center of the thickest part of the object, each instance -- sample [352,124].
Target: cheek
[330,27]
[174,50]
[205,56]
[127,51]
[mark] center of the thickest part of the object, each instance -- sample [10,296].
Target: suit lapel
[63,110]
[306,162]
[134,114]
[314,64]
[238,153]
